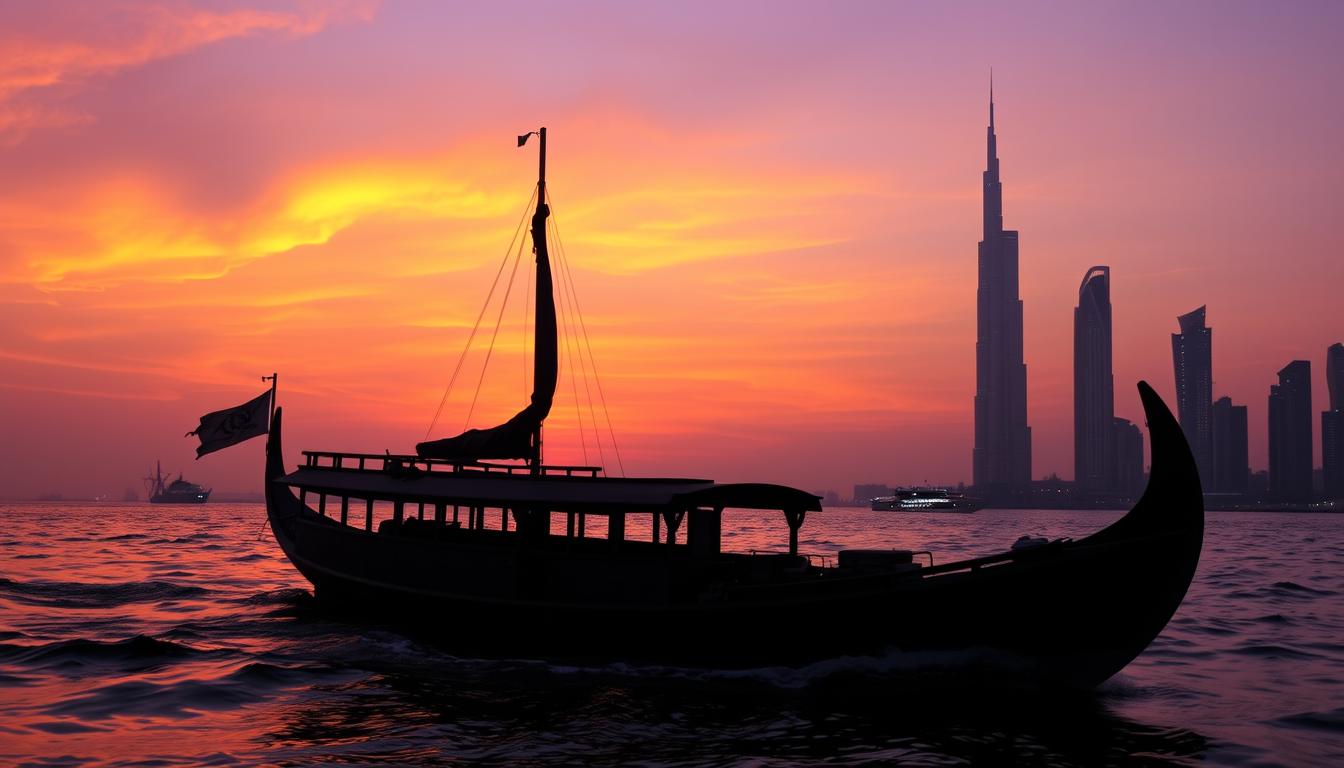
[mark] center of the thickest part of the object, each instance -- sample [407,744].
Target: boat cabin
[429,496]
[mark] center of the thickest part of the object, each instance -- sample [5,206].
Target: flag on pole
[231,426]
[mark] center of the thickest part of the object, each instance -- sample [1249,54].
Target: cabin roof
[597,495]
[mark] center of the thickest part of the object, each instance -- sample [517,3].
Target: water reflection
[536,714]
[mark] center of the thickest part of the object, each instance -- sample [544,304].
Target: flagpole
[274,378]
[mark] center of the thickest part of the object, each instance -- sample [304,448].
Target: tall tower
[1192,358]
[1231,443]
[1093,385]
[1334,375]
[1290,433]
[1002,456]
[1332,424]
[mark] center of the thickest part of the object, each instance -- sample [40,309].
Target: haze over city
[770,211]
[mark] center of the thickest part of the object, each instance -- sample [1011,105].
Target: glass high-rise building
[1001,460]
[1334,375]
[1127,476]
[1332,424]
[1231,444]
[1093,385]
[1192,358]
[1290,434]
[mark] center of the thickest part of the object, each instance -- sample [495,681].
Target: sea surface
[133,634]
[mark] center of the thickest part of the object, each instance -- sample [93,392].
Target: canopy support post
[794,517]
[673,519]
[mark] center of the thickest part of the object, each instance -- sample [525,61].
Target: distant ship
[924,500]
[178,491]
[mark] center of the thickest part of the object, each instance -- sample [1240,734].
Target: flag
[233,425]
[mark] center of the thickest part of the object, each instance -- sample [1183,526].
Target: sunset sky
[770,210]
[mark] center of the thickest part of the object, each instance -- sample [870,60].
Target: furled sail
[520,436]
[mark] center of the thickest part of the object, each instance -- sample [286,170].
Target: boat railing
[393,462]
[813,560]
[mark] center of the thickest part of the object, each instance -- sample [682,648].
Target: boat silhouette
[178,491]
[469,554]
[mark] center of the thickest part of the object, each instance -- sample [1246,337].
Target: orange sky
[770,210]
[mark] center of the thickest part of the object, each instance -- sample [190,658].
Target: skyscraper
[1290,433]
[1332,424]
[1126,475]
[1001,460]
[1231,443]
[1332,453]
[1334,375]
[1094,434]
[1192,357]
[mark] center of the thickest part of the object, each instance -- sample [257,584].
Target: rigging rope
[498,320]
[564,264]
[462,358]
[583,368]
[565,323]
[527,309]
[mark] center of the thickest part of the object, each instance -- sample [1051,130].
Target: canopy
[597,495]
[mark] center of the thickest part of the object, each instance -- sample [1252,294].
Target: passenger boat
[178,491]
[923,500]
[500,554]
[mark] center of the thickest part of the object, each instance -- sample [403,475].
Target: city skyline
[794,291]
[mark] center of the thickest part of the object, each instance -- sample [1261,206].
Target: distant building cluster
[1108,451]
[1218,434]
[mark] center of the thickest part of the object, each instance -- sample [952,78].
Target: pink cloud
[59,47]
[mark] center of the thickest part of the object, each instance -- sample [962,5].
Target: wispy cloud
[62,46]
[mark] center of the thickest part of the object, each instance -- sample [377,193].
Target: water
[134,634]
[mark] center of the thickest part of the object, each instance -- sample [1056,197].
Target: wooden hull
[1074,612]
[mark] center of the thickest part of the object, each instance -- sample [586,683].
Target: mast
[545,359]
[520,436]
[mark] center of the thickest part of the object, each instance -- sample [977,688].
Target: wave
[920,669]
[1282,590]
[289,596]
[1332,720]
[71,594]
[1273,651]
[1290,586]
[188,539]
[140,650]
[250,683]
